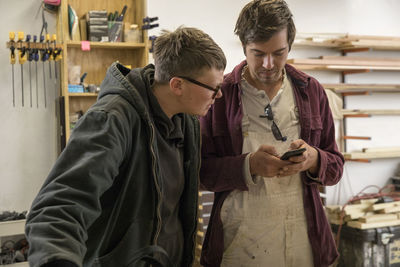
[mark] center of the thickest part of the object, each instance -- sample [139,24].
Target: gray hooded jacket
[100,203]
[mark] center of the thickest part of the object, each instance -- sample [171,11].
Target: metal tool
[21,59]
[44,57]
[55,53]
[49,52]
[35,55]
[29,56]
[12,61]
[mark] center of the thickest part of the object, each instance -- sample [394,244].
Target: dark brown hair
[260,19]
[186,52]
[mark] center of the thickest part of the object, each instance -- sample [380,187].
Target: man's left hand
[307,161]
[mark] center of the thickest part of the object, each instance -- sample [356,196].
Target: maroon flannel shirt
[223,161]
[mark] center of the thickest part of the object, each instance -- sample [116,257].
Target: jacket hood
[133,90]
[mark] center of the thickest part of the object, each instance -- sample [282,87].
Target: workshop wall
[28,135]
[362,17]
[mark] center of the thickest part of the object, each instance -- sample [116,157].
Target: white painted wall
[28,141]
[28,136]
[365,17]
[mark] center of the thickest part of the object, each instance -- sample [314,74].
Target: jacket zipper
[157,187]
[197,201]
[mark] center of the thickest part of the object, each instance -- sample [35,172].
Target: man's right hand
[265,162]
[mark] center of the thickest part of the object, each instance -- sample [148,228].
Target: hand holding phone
[292,153]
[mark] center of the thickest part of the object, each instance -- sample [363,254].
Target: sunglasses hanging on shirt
[274,128]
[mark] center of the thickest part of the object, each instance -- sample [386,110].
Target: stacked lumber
[347,41]
[351,87]
[365,41]
[345,63]
[366,214]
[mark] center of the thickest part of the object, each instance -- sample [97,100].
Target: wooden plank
[347,137]
[344,41]
[359,59]
[370,155]
[354,68]
[368,200]
[380,149]
[371,111]
[394,209]
[378,218]
[342,87]
[348,62]
[360,225]
[333,208]
[380,206]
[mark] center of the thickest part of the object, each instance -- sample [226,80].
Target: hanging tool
[21,59]
[152,38]
[44,57]
[49,51]
[29,56]
[44,54]
[55,53]
[147,21]
[12,61]
[35,56]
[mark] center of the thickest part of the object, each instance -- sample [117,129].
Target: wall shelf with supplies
[94,57]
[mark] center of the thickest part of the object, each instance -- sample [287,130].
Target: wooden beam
[371,111]
[347,137]
[371,155]
[360,225]
[379,88]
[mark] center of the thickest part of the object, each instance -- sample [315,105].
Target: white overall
[266,226]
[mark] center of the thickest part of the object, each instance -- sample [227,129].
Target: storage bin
[376,247]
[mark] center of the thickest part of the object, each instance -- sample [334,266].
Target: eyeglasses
[274,128]
[215,90]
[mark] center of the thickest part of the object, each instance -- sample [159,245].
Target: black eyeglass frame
[215,90]
[274,128]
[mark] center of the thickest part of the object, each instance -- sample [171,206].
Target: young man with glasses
[267,211]
[125,188]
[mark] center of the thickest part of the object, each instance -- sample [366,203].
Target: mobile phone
[293,153]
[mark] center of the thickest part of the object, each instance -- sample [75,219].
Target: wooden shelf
[108,45]
[344,63]
[372,155]
[342,41]
[386,112]
[9,228]
[349,88]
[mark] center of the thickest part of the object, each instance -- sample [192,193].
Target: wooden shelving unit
[346,43]
[96,61]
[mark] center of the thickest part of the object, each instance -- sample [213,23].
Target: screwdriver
[30,57]
[43,59]
[49,51]
[21,59]
[12,61]
[55,52]
[35,55]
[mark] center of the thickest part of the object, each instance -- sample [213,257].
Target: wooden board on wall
[96,62]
